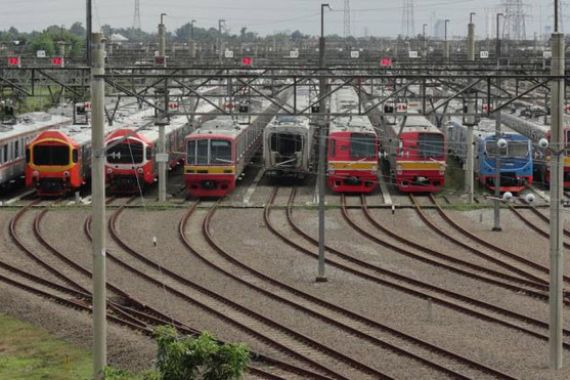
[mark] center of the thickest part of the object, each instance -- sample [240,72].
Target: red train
[131,160]
[217,153]
[352,156]
[416,156]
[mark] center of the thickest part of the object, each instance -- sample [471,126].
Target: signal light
[386,62]
[14,61]
[57,61]
[247,61]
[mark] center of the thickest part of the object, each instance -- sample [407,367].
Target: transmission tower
[408,23]
[515,16]
[346,18]
[137,16]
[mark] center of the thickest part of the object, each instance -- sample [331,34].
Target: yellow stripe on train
[566,161]
[193,169]
[352,165]
[421,165]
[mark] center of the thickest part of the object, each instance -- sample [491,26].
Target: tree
[297,36]
[77,29]
[42,42]
[200,357]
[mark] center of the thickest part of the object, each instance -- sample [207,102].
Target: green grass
[30,353]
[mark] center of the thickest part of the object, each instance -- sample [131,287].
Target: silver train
[288,147]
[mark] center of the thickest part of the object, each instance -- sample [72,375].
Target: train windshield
[56,155]
[286,143]
[209,152]
[518,148]
[221,152]
[362,146]
[127,152]
[430,145]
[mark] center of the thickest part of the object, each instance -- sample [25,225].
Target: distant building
[439,29]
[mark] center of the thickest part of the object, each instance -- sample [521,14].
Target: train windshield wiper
[223,160]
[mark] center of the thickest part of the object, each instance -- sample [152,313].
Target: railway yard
[402,212]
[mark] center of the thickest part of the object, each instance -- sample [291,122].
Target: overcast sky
[377,17]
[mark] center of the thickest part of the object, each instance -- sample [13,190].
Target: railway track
[126,311]
[511,255]
[252,323]
[333,314]
[422,290]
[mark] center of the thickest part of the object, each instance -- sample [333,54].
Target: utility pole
[161,159]
[220,51]
[323,135]
[556,182]
[470,161]
[424,26]
[88,26]
[446,43]
[497,204]
[471,38]
[498,44]
[98,209]
[192,44]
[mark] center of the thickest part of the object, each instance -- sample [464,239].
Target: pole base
[321,279]
[497,229]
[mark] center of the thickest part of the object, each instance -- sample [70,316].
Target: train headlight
[109,171]
[140,170]
[529,198]
[543,143]
[502,143]
[66,174]
[399,169]
[507,196]
[35,173]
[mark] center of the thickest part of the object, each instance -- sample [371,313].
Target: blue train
[516,158]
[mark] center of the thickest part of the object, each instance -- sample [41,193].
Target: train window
[51,155]
[202,152]
[5,153]
[191,150]
[332,147]
[362,145]
[430,145]
[75,156]
[286,143]
[518,148]
[28,155]
[128,152]
[492,149]
[16,152]
[221,152]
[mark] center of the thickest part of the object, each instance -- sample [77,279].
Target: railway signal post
[556,182]
[321,277]
[98,209]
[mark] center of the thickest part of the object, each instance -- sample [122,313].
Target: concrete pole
[98,206]
[88,25]
[446,44]
[161,125]
[556,187]
[471,39]
[323,135]
[498,44]
[497,203]
[470,162]
[220,50]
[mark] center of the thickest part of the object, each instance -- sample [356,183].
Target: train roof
[351,124]
[415,123]
[30,122]
[289,122]
[221,125]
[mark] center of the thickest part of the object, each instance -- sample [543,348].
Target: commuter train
[217,153]
[523,122]
[288,147]
[516,159]
[13,140]
[416,154]
[59,161]
[352,158]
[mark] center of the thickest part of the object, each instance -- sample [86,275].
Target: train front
[516,166]
[352,162]
[286,148]
[53,164]
[129,166]
[210,169]
[420,162]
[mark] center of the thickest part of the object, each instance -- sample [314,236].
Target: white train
[13,140]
